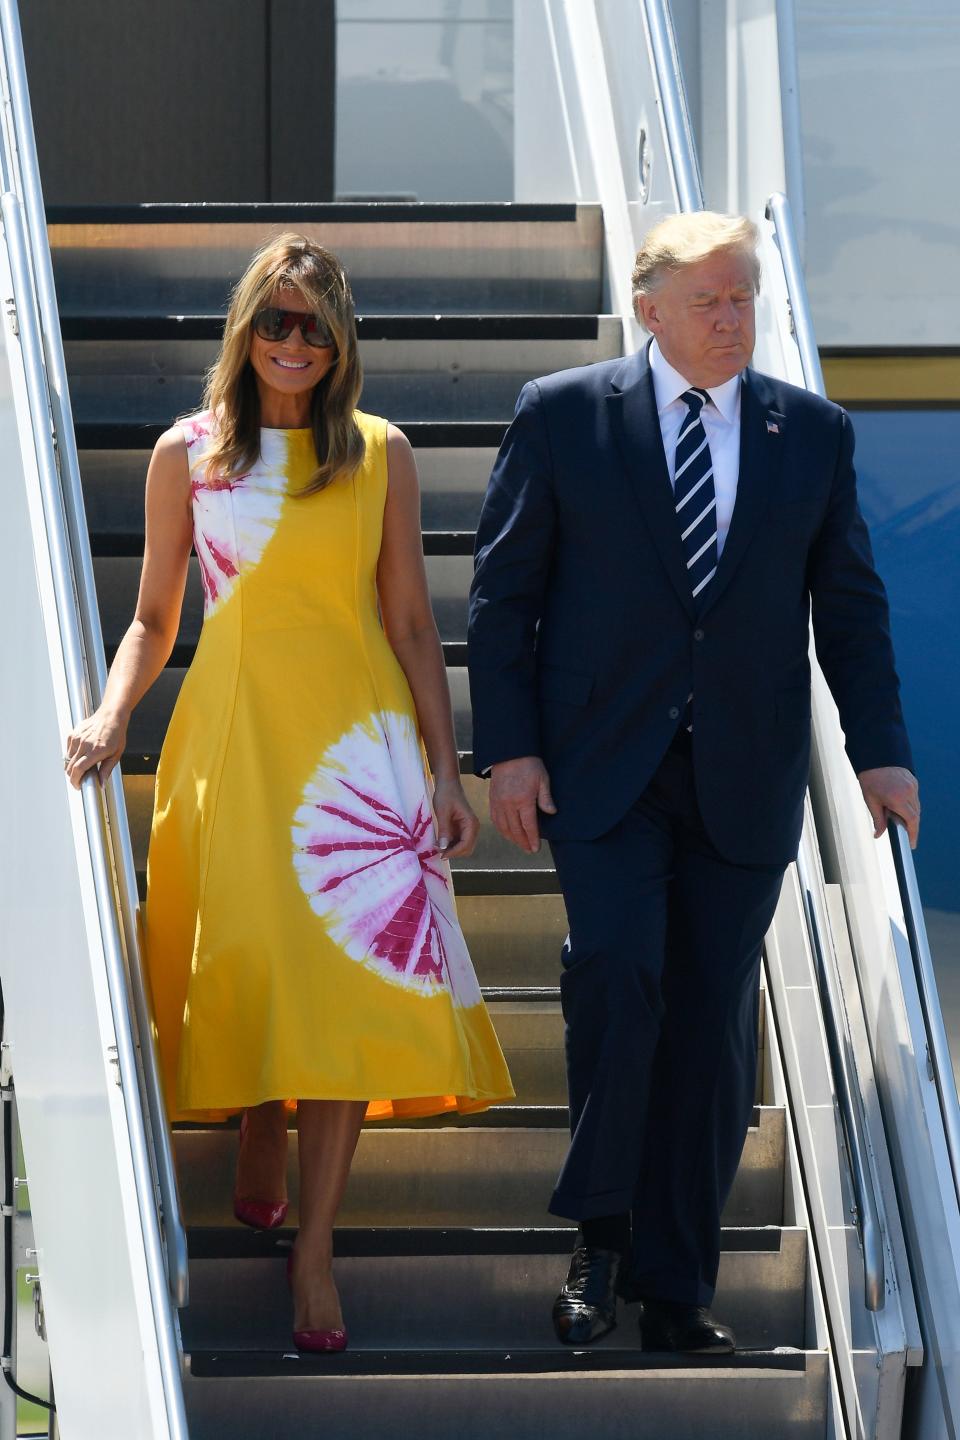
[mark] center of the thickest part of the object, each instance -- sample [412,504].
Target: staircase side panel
[58,1018]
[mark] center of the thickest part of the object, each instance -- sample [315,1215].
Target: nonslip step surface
[473,1175]
[558,1395]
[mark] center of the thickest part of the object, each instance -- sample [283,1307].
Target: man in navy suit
[654,537]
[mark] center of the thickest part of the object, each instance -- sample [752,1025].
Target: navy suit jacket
[585,641]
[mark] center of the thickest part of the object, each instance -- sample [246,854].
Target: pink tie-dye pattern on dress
[233,518]
[366,856]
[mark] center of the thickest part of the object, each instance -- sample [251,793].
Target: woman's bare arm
[412,632]
[145,648]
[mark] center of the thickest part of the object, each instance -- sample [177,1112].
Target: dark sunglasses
[274,324]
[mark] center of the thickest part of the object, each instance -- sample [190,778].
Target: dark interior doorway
[182,100]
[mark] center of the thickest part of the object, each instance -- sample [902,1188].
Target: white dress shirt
[721,424]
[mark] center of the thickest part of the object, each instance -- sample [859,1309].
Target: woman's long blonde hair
[290,261]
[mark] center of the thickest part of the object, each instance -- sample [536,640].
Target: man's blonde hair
[681,240]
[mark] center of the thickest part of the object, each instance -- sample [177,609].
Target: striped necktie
[694,495]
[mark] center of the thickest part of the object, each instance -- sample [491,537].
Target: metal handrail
[673,104]
[112,826]
[48,474]
[790,118]
[938,1046]
[778,211]
[867,1212]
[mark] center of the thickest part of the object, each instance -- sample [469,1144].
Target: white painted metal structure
[601,115]
[85,1074]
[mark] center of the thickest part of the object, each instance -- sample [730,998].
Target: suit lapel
[636,427]
[761,454]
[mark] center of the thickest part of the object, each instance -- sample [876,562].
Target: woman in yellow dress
[301,936]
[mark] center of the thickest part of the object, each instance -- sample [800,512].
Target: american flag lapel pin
[773,428]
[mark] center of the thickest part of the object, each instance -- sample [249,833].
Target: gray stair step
[149,721]
[150,380]
[452,483]
[517,328]
[553,1395]
[530,1029]
[421,1296]
[493,856]
[514,940]
[467,883]
[137,399]
[118,580]
[460,1176]
[531,1035]
[400,258]
[534,876]
[515,1115]
[422,434]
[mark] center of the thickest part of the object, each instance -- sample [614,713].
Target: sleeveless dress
[301,935]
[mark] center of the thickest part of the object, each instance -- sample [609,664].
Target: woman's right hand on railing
[97,741]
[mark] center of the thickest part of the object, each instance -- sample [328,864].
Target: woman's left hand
[457,826]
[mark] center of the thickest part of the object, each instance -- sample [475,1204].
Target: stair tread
[132,435]
[93,325]
[378,1361]
[762,1117]
[380,212]
[473,882]
[233,1242]
[113,544]
[405,1286]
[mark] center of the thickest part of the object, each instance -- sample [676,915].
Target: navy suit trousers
[660,996]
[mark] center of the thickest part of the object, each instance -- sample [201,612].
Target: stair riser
[463,470]
[492,851]
[423,361]
[471,1301]
[152,716]
[514,940]
[719,1404]
[468,1176]
[497,266]
[452,484]
[118,580]
[156,400]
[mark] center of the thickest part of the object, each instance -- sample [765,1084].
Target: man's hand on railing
[892,792]
[100,741]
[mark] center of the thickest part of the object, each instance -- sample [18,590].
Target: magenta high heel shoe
[316,1342]
[258,1214]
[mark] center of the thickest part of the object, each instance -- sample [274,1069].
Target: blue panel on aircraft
[908,464]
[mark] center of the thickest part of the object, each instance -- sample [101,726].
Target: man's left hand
[892,791]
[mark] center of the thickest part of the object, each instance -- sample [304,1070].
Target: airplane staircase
[446,1258]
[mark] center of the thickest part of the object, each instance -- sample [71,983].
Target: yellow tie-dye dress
[301,935]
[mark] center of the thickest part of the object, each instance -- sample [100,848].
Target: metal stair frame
[88,1078]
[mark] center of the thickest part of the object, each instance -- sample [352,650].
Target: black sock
[607,1232]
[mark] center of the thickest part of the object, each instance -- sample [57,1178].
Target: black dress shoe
[667,1325]
[586,1307]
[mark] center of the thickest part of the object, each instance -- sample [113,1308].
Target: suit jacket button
[674,713]
[698,634]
